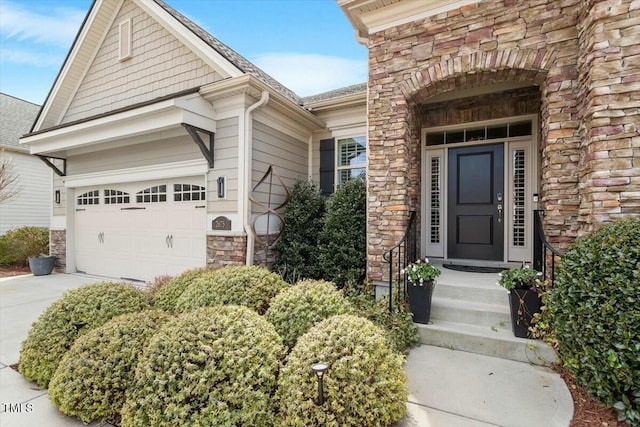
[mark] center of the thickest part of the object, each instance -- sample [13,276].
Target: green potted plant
[524,286]
[421,281]
[41,265]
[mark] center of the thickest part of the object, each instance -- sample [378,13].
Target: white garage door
[141,230]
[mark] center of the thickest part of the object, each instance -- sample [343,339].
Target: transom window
[480,133]
[113,197]
[89,198]
[352,155]
[152,194]
[188,192]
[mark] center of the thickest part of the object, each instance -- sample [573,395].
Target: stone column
[609,77]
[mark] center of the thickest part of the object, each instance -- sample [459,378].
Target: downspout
[248,158]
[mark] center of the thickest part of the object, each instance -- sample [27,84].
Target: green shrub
[296,309]
[55,330]
[595,315]
[298,249]
[249,286]
[18,244]
[214,366]
[397,324]
[92,378]
[343,255]
[165,297]
[365,384]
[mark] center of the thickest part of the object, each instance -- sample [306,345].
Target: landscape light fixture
[320,369]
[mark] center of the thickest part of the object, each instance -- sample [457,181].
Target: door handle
[171,240]
[166,240]
[499,212]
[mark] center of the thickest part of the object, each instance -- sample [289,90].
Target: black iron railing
[401,255]
[545,256]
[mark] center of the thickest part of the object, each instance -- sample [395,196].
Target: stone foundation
[226,250]
[58,248]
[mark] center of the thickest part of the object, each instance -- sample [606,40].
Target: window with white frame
[352,154]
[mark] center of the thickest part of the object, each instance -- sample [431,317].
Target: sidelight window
[518,177]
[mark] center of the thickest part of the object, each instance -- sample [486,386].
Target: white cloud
[37,59]
[58,27]
[311,74]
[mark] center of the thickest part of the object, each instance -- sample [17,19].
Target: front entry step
[470,313]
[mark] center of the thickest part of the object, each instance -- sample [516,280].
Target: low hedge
[294,310]
[166,296]
[18,244]
[365,384]
[93,376]
[214,366]
[249,286]
[55,330]
[595,315]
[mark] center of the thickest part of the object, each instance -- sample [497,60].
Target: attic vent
[125,40]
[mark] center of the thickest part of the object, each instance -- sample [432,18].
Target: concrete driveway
[22,300]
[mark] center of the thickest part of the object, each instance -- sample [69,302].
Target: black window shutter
[327,166]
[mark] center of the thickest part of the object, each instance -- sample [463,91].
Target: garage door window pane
[188,192]
[152,194]
[89,198]
[113,197]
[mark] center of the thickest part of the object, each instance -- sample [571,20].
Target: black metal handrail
[402,255]
[543,249]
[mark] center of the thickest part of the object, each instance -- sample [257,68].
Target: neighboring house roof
[231,55]
[337,93]
[16,116]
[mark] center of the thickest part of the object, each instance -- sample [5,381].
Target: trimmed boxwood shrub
[249,286]
[294,310]
[166,296]
[214,366]
[18,244]
[92,378]
[343,255]
[595,315]
[55,330]
[365,384]
[398,326]
[298,249]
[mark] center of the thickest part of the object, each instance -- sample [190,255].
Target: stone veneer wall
[226,250]
[551,44]
[609,78]
[58,248]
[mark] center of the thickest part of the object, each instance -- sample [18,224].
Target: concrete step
[488,341]
[476,292]
[470,312]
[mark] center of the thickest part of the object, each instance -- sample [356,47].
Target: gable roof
[16,115]
[336,93]
[231,55]
[99,19]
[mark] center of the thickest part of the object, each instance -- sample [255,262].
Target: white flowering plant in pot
[420,272]
[524,278]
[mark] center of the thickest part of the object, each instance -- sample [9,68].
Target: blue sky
[307,45]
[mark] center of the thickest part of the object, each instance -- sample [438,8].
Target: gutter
[248,157]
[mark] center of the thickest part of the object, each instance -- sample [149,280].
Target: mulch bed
[587,412]
[12,270]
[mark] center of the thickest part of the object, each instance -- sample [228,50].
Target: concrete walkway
[447,388]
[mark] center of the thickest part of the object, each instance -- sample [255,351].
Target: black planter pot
[41,266]
[420,301]
[524,303]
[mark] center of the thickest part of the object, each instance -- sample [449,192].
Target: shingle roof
[16,116]
[230,55]
[337,93]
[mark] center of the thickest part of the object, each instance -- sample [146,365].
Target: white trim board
[146,173]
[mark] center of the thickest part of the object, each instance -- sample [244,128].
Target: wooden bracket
[207,152]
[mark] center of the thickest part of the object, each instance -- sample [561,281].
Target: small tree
[298,249]
[9,180]
[343,253]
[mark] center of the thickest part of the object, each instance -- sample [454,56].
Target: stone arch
[478,68]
